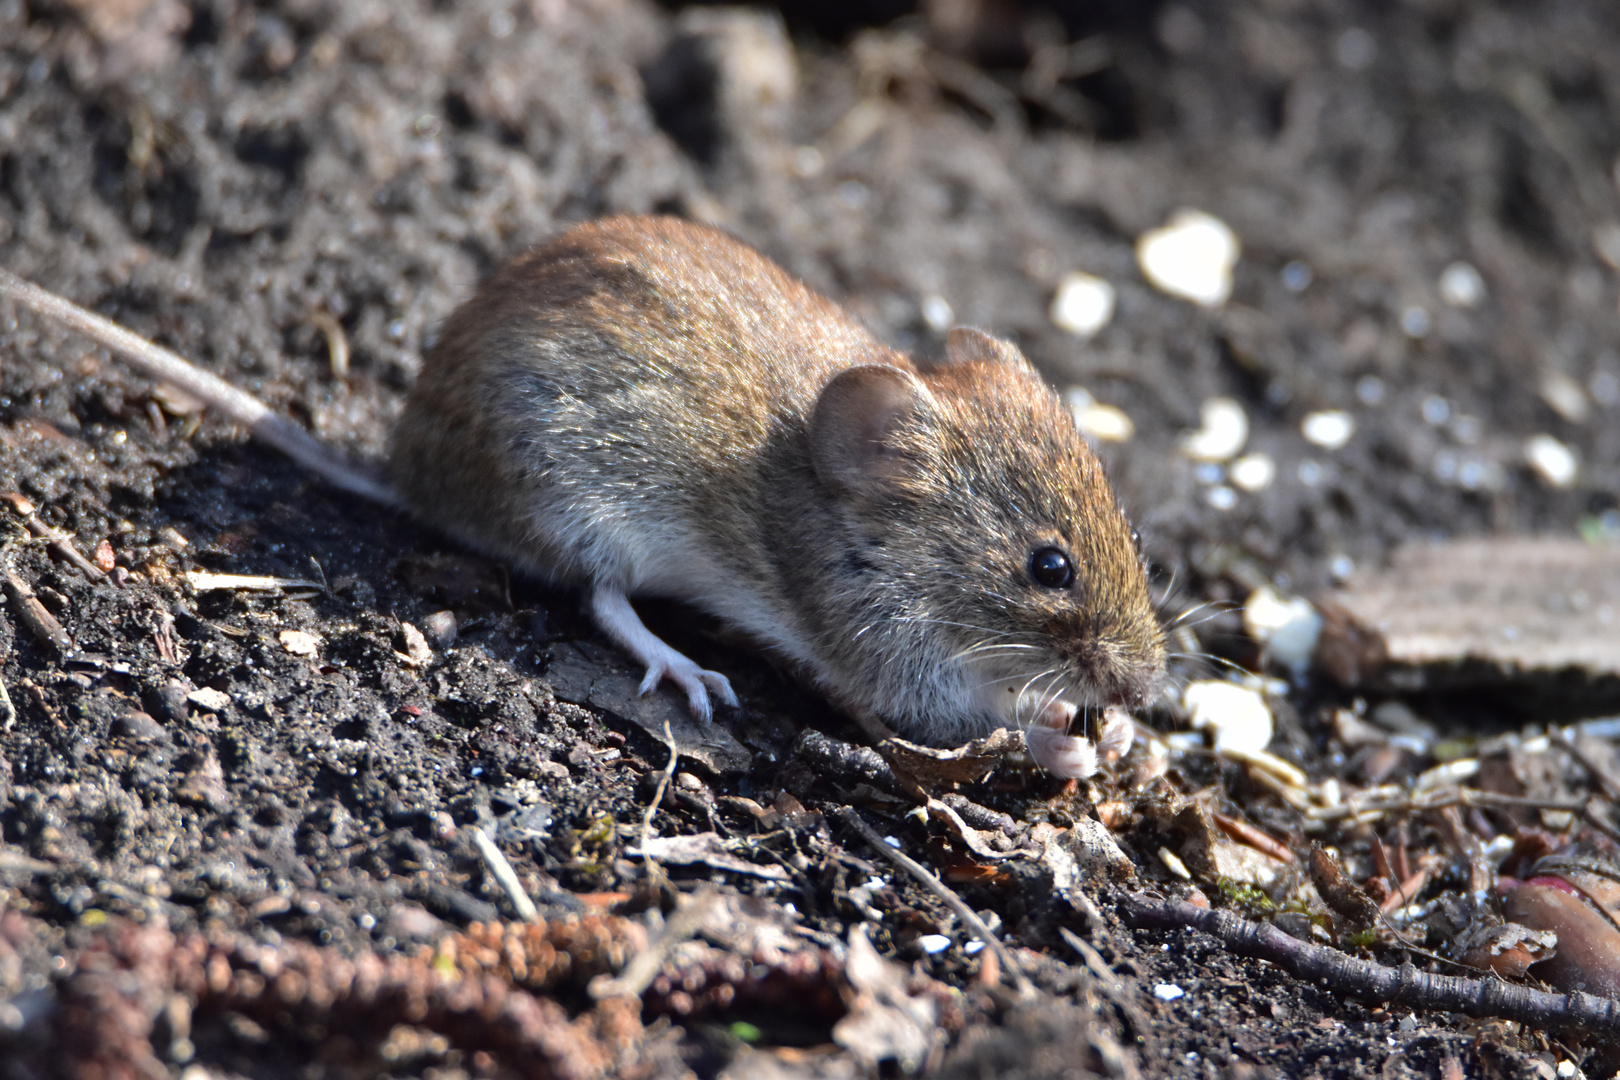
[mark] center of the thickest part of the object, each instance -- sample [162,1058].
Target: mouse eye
[1051,568]
[1136,541]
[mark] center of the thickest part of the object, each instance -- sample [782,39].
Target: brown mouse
[647,407]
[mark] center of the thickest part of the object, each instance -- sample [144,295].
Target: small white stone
[1297,276]
[207,697]
[1552,460]
[1172,862]
[934,943]
[1416,322]
[1566,1069]
[299,642]
[1436,410]
[1236,716]
[1190,257]
[1253,472]
[973,947]
[1461,286]
[1329,429]
[1168,991]
[1225,429]
[1370,390]
[937,313]
[1096,420]
[1083,304]
[1565,397]
[1287,628]
[1221,497]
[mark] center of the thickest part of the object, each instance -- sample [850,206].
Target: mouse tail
[238,406]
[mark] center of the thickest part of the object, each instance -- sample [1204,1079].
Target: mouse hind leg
[619,621]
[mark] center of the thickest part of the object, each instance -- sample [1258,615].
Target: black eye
[1136,541]
[1051,568]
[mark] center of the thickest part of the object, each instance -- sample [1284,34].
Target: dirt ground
[261,186]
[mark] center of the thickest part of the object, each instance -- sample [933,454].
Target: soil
[255,186]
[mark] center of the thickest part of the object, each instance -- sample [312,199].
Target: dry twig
[969,917]
[1367,981]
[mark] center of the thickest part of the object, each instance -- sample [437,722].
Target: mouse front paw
[697,682]
[1072,757]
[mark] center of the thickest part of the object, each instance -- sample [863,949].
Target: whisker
[991,646]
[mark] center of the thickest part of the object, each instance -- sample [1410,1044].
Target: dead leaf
[967,764]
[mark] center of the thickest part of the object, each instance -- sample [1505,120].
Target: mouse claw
[695,681]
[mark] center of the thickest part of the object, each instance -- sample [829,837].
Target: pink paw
[695,681]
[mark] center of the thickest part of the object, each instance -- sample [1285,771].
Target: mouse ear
[965,345]
[854,432]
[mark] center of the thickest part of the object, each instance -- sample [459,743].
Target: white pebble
[1461,286]
[1416,322]
[937,313]
[1190,257]
[1225,429]
[973,947]
[1168,991]
[1297,276]
[1341,567]
[1096,420]
[1370,390]
[1565,397]
[1436,409]
[1253,472]
[300,642]
[934,943]
[1221,497]
[1288,629]
[1329,429]
[1552,460]
[1236,716]
[1083,304]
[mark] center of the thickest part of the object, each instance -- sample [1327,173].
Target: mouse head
[992,578]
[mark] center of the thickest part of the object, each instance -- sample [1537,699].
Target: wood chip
[1477,610]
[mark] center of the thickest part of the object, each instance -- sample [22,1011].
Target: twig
[654,871]
[1470,797]
[58,543]
[1244,833]
[1408,890]
[644,966]
[1605,779]
[239,407]
[503,873]
[206,581]
[969,917]
[35,615]
[1366,981]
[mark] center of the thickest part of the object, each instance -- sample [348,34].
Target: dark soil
[235,181]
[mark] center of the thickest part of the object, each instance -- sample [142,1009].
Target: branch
[1366,981]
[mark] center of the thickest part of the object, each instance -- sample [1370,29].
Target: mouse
[647,407]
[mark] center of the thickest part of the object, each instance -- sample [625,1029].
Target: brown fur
[635,404]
